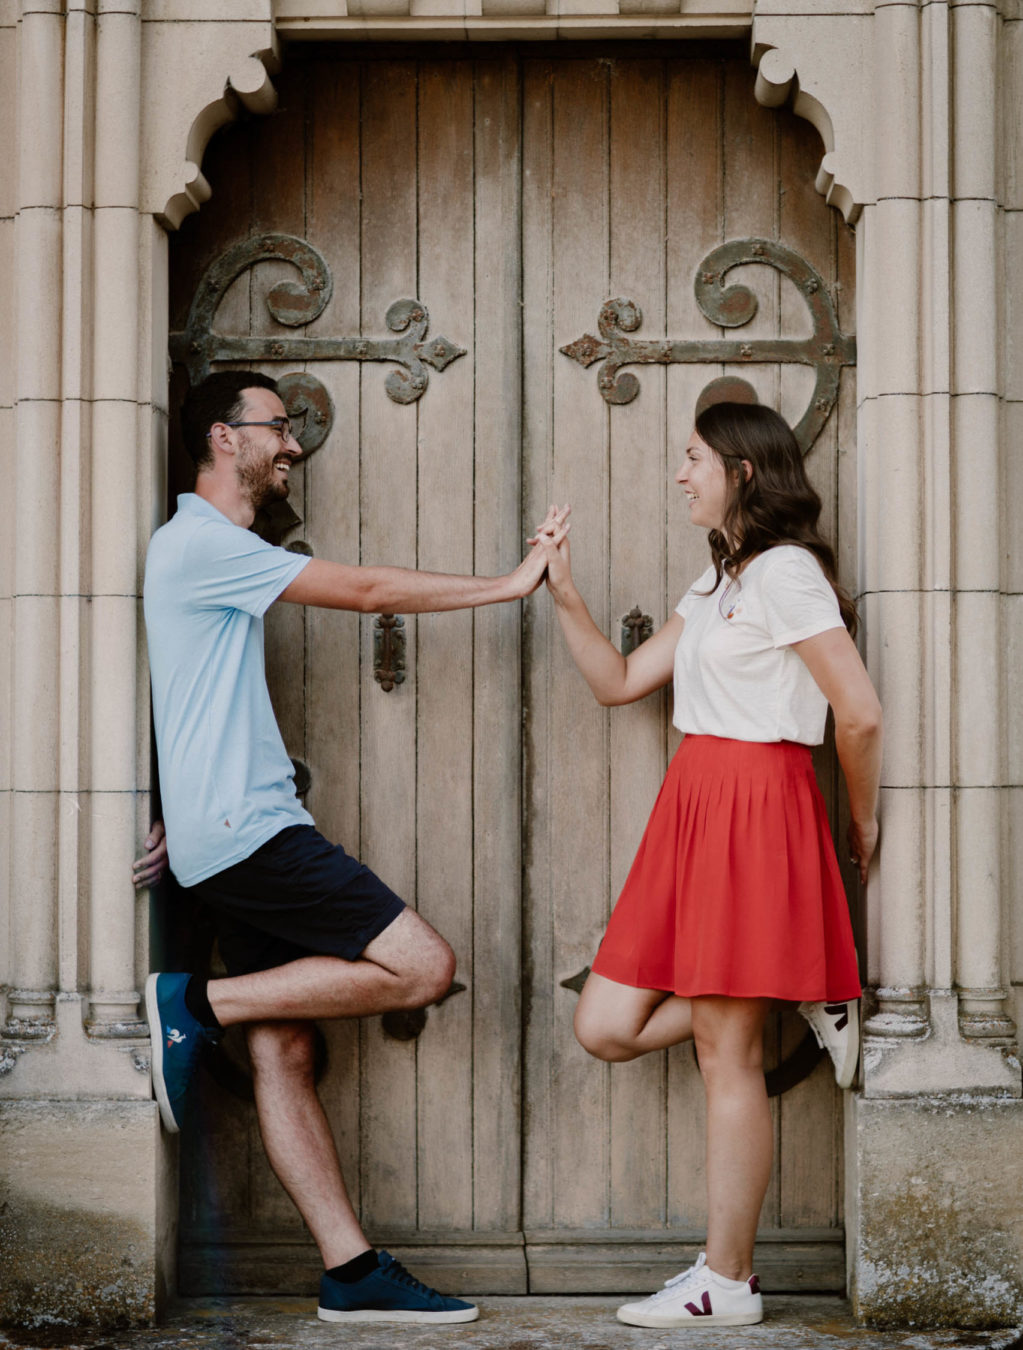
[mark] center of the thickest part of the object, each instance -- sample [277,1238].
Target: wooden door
[510,193]
[637,170]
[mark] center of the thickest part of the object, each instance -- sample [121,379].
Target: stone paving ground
[800,1322]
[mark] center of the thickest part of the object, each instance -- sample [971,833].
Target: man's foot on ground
[837,1028]
[389,1294]
[178,1041]
[698,1298]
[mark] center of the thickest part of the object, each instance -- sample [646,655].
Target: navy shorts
[297,895]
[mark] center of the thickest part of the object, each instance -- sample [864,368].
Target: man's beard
[258,477]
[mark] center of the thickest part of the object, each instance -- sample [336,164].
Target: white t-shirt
[736,674]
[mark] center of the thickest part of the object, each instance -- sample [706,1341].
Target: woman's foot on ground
[700,1298]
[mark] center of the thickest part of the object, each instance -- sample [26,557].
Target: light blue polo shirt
[225,777]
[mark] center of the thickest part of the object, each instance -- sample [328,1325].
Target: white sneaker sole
[156,1040]
[396,1315]
[739,1319]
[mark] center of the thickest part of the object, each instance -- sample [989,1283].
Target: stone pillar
[35,601]
[934,1132]
[85,1176]
[116,427]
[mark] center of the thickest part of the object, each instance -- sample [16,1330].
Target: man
[304,930]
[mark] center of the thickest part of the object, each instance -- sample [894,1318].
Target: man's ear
[220,438]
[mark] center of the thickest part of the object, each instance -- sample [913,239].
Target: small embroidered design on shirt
[734,606]
[227,824]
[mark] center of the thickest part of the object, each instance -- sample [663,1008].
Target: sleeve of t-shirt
[797,597]
[233,568]
[697,591]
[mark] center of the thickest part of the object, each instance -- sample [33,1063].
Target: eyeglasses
[282,425]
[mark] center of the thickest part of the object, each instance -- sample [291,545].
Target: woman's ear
[747,470]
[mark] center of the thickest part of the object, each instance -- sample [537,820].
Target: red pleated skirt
[735,889]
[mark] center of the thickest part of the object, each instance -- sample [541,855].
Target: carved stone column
[36,607]
[117,422]
[84,1177]
[906,98]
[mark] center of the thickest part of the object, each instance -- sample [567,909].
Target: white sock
[729,1284]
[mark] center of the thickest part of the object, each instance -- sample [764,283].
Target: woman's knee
[729,1036]
[601,1039]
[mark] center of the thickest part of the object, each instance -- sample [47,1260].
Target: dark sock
[198,1004]
[357,1268]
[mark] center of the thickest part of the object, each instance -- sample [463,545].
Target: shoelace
[670,1286]
[396,1271]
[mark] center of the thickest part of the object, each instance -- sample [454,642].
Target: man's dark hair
[217,398]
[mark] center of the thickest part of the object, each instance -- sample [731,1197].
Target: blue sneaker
[389,1294]
[178,1041]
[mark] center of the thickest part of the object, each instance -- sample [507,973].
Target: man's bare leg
[408,965]
[297,1137]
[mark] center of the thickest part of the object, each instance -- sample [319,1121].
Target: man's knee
[422,963]
[282,1049]
[430,977]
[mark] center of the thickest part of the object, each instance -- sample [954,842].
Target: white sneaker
[700,1297]
[837,1028]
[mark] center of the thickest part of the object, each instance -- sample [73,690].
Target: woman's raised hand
[552,536]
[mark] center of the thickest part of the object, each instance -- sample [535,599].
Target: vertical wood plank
[499,536]
[751,208]
[637,567]
[695,210]
[809,1165]
[544,1002]
[444,669]
[279,159]
[332,476]
[577,778]
[388,517]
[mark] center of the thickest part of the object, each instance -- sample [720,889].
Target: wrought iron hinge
[827,350]
[295,304]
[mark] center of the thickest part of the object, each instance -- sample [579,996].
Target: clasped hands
[552,537]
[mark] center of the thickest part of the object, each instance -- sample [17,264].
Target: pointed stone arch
[824,76]
[173,183]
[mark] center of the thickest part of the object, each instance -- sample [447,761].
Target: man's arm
[400,590]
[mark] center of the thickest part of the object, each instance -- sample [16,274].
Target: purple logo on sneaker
[754,1284]
[840,1011]
[705,1311]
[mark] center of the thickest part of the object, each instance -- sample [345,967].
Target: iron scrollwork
[295,304]
[827,350]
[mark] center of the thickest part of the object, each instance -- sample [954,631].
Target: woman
[734,898]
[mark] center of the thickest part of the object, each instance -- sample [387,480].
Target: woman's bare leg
[729,1035]
[617,1022]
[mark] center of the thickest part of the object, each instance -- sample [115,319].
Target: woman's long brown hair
[776,504]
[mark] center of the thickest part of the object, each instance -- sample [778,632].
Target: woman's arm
[613,678]
[834,663]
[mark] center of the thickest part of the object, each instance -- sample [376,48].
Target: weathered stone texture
[935,1184]
[83,1223]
